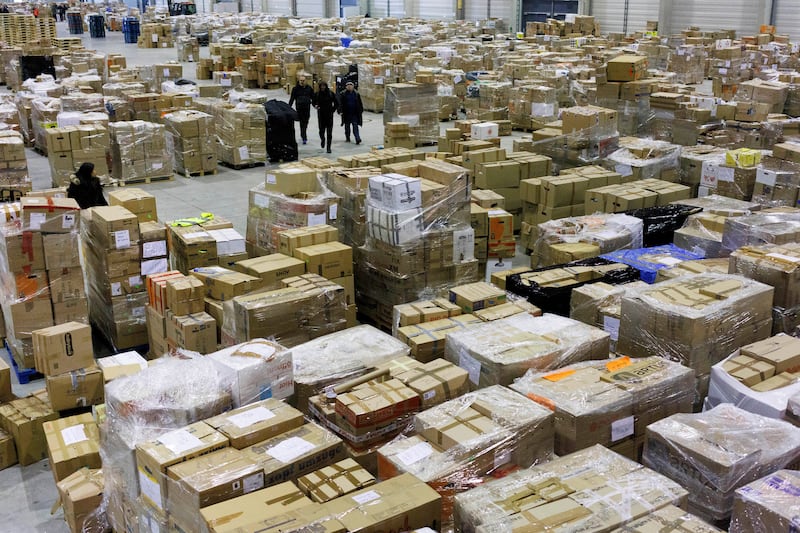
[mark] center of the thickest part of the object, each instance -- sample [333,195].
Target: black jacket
[302,95]
[88,193]
[351,115]
[326,104]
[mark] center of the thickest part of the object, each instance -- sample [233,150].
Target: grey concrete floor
[28,493]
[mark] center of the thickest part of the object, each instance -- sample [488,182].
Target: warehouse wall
[443,10]
[787,17]
[480,9]
[611,14]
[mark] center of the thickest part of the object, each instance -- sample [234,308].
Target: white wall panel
[480,9]
[310,8]
[278,7]
[611,14]
[787,17]
[744,16]
[387,8]
[433,9]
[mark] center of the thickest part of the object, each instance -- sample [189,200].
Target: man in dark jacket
[352,110]
[326,104]
[301,96]
[85,187]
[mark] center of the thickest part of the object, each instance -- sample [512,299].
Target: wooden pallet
[198,173]
[241,166]
[145,180]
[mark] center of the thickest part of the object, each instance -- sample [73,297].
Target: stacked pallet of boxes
[113,260]
[204,242]
[139,151]
[587,135]
[23,437]
[14,178]
[373,76]
[418,105]
[241,134]
[42,272]
[155,35]
[69,147]
[351,186]
[188,49]
[190,136]
[531,107]
[177,317]
[44,114]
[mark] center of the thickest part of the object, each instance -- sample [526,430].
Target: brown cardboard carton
[76,310]
[24,251]
[376,403]
[50,215]
[224,284]
[311,517]
[81,496]
[291,181]
[666,519]
[435,381]
[154,457]
[5,382]
[137,201]
[335,480]
[8,452]
[329,260]
[256,422]
[764,504]
[185,296]
[229,516]
[114,227]
[30,315]
[61,250]
[66,284]
[291,239]
[626,68]
[271,269]
[72,443]
[79,388]
[197,332]
[477,296]
[63,348]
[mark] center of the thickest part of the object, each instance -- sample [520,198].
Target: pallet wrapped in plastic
[564,240]
[598,304]
[83,103]
[188,49]
[351,186]
[9,114]
[717,265]
[147,406]
[467,441]
[714,453]
[576,148]
[767,504]
[241,134]
[15,180]
[777,183]
[667,518]
[191,138]
[761,228]
[139,151]
[418,105]
[500,352]
[648,261]
[532,106]
[591,490]
[44,115]
[120,89]
[645,159]
[609,402]
[72,145]
[340,356]
[696,320]
[373,75]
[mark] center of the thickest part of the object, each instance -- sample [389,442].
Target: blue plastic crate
[648,270]
[24,375]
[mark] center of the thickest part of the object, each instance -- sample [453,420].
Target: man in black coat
[326,104]
[301,97]
[352,109]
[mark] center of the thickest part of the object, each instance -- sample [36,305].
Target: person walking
[301,97]
[85,187]
[352,109]
[326,104]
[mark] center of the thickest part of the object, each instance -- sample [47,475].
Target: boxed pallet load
[81,497]
[594,490]
[645,159]
[414,103]
[467,441]
[256,370]
[771,227]
[241,134]
[14,178]
[70,146]
[190,136]
[253,508]
[767,504]
[648,261]
[714,453]
[139,151]
[692,268]
[501,351]
[23,419]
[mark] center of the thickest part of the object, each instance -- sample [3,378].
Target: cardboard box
[61,250]
[626,68]
[72,443]
[29,316]
[81,496]
[24,251]
[185,296]
[435,382]
[291,239]
[78,388]
[248,510]
[66,284]
[50,215]
[114,227]
[763,505]
[76,310]
[8,452]
[256,370]
[123,364]
[256,422]
[476,296]
[197,332]
[154,457]
[312,516]
[271,269]
[329,260]
[137,201]
[380,402]
[335,480]
[5,382]
[63,348]
[224,284]
[291,181]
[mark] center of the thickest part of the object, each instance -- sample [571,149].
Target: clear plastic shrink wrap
[667,519]
[648,261]
[761,228]
[139,151]
[609,402]
[771,503]
[501,351]
[717,265]
[568,239]
[241,134]
[72,145]
[418,105]
[149,406]
[191,138]
[14,178]
[44,115]
[591,490]
[777,183]
[351,186]
[714,453]
[464,442]
[340,356]
[645,159]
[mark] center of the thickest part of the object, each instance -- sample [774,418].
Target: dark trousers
[305,114]
[325,126]
[354,125]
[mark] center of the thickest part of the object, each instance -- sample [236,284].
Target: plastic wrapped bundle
[241,134]
[532,106]
[339,356]
[714,453]
[565,240]
[70,146]
[188,49]
[767,504]
[372,78]
[667,517]
[777,183]
[660,222]
[464,442]
[84,103]
[591,490]
[501,351]
[645,159]
[190,137]
[610,403]
[692,268]
[758,229]
[14,178]
[120,89]
[721,205]
[702,234]
[44,115]
[417,104]
[139,151]
[351,186]
[648,261]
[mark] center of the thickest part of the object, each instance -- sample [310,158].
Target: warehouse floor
[28,493]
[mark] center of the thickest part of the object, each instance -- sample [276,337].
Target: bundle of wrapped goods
[469,440]
[418,105]
[569,239]
[586,135]
[702,233]
[81,496]
[773,93]
[531,107]
[152,406]
[595,489]
[690,268]
[44,113]
[113,260]
[491,103]
[501,351]
[644,158]
[697,321]
[373,76]
[41,271]
[767,504]
[777,183]
[305,308]
[610,403]
[734,175]
[636,195]
[760,228]
[241,134]
[415,242]
[190,134]
[648,261]
[153,35]
[139,151]
[291,197]
[22,420]
[14,178]
[598,304]
[204,242]
[71,146]
[351,186]
[688,63]
[699,452]
[188,49]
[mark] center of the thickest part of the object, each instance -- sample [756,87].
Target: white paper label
[271,179]
[611,326]
[621,429]
[251,416]
[150,489]
[428,395]
[415,454]
[116,289]
[290,449]
[138,311]
[158,166]
[378,81]
[154,249]
[166,73]
[670,261]
[502,457]
[471,365]
[539,109]
[122,239]
[767,177]
[569,18]
[708,176]
[225,82]
[315,219]
[154,266]
[67,221]
[154,38]
[366,497]
[73,435]
[261,200]
[784,257]
[723,71]
[244,152]
[254,482]
[457,78]
[623,169]
[135,281]
[179,441]
[37,219]
[725,174]
[333,211]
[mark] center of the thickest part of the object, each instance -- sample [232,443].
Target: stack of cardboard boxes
[204,242]
[139,151]
[191,137]
[14,178]
[71,146]
[417,104]
[241,134]
[156,35]
[22,420]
